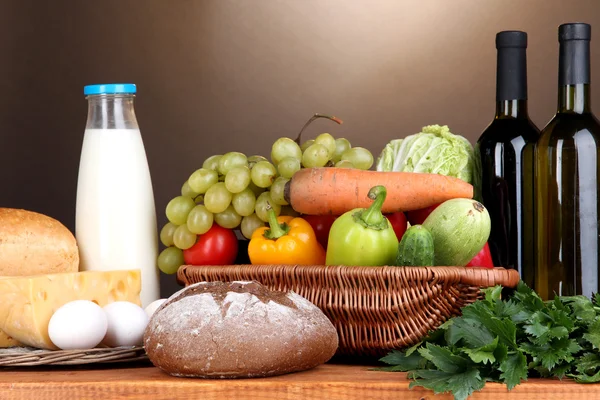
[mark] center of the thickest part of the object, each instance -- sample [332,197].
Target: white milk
[116,218]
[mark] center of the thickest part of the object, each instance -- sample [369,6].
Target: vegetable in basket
[321,224]
[416,248]
[416,217]
[434,150]
[334,191]
[483,258]
[218,246]
[399,223]
[460,228]
[363,236]
[287,240]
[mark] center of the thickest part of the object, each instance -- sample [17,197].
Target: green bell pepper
[363,236]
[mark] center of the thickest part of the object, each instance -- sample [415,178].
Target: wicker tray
[30,357]
[373,309]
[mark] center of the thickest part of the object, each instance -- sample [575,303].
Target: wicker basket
[30,357]
[373,309]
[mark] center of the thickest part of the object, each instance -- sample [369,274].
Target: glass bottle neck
[516,109]
[111,112]
[574,99]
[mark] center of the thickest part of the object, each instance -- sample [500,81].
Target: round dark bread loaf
[238,330]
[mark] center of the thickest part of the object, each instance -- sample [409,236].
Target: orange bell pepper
[287,240]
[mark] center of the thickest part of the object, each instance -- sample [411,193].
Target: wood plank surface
[329,381]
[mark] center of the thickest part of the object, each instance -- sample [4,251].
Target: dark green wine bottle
[568,178]
[505,153]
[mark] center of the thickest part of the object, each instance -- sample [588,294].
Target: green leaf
[461,385]
[543,334]
[484,354]
[582,307]
[501,353]
[552,316]
[588,363]
[561,317]
[480,356]
[391,368]
[412,349]
[501,340]
[493,294]
[593,334]
[521,316]
[436,336]
[583,378]
[523,289]
[536,329]
[402,362]
[514,369]
[507,308]
[551,354]
[446,324]
[543,371]
[472,333]
[529,299]
[597,299]
[559,371]
[558,304]
[541,325]
[504,328]
[557,332]
[393,358]
[444,359]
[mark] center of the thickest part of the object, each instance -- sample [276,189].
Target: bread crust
[32,243]
[238,330]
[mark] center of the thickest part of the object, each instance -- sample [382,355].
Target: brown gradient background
[223,75]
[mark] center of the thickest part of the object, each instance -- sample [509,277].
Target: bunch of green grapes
[231,190]
[323,151]
[234,190]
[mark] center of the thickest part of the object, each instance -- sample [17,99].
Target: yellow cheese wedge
[7,341]
[28,303]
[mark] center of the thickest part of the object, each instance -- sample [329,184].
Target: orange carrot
[328,190]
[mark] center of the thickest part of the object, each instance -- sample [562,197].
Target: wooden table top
[329,381]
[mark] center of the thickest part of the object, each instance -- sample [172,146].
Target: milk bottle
[115,214]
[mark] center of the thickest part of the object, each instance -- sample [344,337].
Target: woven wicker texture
[373,309]
[29,357]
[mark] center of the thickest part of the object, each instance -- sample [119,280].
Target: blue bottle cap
[110,88]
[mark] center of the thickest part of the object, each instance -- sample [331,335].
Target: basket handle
[488,277]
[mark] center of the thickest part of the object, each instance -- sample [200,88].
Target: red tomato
[483,258]
[218,246]
[321,224]
[416,217]
[398,221]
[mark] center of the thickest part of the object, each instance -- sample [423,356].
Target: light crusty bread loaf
[7,341]
[33,243]
[238,329]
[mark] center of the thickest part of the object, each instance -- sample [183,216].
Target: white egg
[126,324]
[77,325]
[152,307]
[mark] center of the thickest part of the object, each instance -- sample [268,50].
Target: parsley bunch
[507,341]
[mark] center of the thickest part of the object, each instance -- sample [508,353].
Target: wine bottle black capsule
[505,153]
[568,178]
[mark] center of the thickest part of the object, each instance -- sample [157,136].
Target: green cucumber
[460,228]
[415,248]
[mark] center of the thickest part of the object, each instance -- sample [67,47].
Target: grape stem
[311,119]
